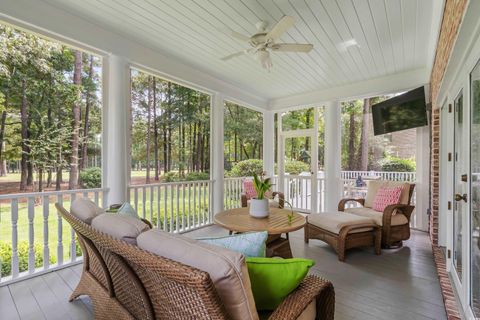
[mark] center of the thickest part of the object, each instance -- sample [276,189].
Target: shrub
[6,256]
[247,168]
[393,164]
[197,176]
[170,177]
[91,178]
[296,167]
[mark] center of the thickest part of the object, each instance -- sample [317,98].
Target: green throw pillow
[250,244]
[273,279]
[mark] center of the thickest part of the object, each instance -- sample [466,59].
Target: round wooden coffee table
[276,224]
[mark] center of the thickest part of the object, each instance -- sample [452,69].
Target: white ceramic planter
[259,208]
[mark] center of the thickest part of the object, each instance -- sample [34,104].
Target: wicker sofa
[394,220]
[126,282]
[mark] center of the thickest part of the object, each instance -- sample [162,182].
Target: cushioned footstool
[343,231]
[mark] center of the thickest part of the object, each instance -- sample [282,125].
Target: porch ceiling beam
[369,88]
[44,18]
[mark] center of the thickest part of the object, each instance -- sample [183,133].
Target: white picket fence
[36,251]
[383,175]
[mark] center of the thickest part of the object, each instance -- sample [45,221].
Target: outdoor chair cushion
[250,244]
[374,185]
[335,221]
[397,219]
[85,210]
[386,196]
[227,268]
[120,226]
[274,279]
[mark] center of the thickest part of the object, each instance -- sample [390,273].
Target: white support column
[314,162]
[269,143]
[333,142]
[116,108]
[217,151]
[280,155]
[423,177]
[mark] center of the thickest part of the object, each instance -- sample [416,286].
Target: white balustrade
[30,228]
[176,206]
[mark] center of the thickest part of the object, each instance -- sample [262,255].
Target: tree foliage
[37,96]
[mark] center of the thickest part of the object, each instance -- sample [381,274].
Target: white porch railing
[33,237]
[383,175]
[298,189]
[176,206]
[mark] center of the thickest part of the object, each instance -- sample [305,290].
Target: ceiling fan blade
[279,29]
[233,55]
[292,47]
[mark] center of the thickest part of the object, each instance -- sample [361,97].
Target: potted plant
[259,205]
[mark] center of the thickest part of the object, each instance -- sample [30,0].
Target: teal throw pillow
[127,210]
[250,244]
[274,279]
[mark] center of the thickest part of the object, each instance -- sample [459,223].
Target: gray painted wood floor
[399,284]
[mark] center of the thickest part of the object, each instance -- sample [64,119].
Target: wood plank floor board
[7,305]
[25,302]
[76,309]
[399,284]
[51,307]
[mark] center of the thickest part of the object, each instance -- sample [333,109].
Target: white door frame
[313,135]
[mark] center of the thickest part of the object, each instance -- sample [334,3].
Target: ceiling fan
[263,42]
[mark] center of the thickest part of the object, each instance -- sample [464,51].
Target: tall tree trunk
[3,171]
[155,129]
[40,180]
[49,178]
[363,150]
[351,142]
[86,121]
[149,120]
[24,133]
[77,81]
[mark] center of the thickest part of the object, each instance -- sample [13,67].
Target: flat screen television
[402,112]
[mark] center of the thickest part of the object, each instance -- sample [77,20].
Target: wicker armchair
[248,193]
[393,232]
[126,282]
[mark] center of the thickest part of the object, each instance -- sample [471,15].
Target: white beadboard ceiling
[393,36]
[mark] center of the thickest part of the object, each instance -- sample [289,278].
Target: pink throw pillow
[386,196]
[249,189]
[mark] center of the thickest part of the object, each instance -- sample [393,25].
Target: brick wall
[452,17]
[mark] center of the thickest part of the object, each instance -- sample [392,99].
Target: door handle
[459,197]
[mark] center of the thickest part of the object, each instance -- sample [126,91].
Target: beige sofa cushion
[374,185]
[85,210]
[397,219]
[227,269]
[335,221]
[120,226]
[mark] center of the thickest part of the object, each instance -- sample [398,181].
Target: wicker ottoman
[343,231]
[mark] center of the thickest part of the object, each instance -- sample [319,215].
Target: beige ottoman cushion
[227,269]
[397,219]
[335,221]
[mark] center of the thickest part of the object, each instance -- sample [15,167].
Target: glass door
[475,191]
[460,187]
[297,168]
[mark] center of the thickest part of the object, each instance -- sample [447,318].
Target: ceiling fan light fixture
[263,56]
